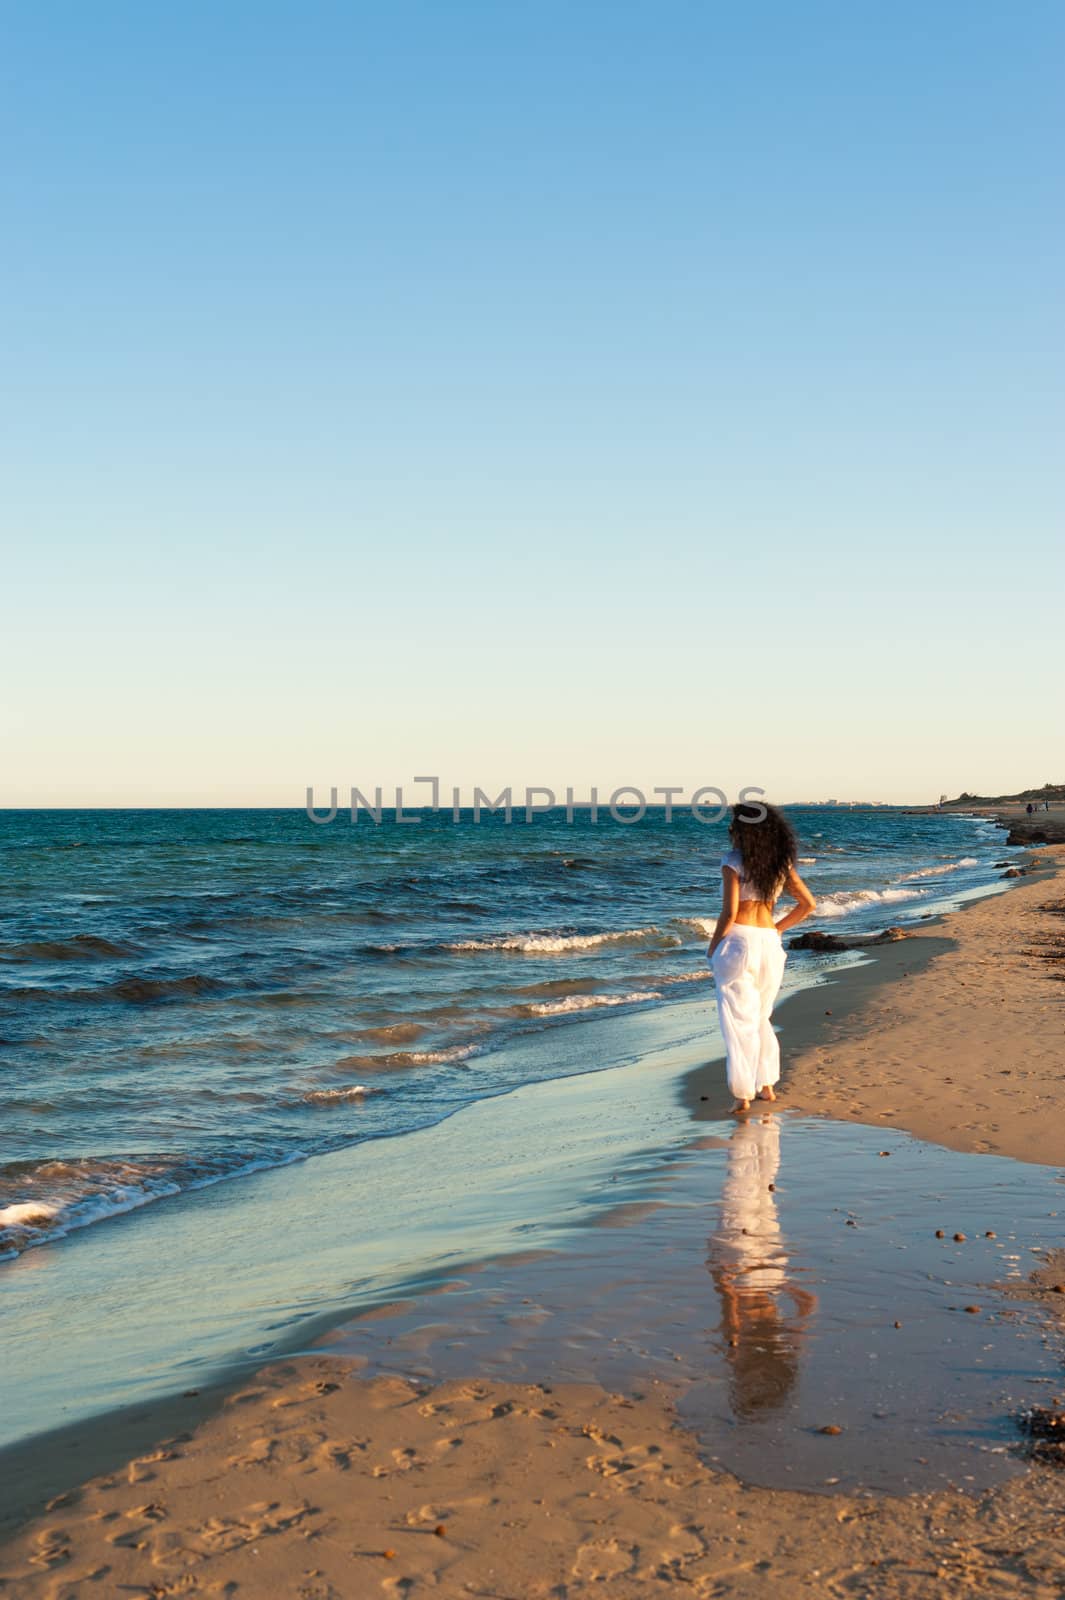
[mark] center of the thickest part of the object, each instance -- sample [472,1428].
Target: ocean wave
[552,988]
[842,903]
[554,943]
[332,1097]
[138,990]
[28,1214]
[80,947]
[936,872]
[134,991]
[396,1060]
[432,1058]
[395,1032]
[53,1198]
[588,1002]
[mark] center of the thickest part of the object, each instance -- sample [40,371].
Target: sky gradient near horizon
[556,394]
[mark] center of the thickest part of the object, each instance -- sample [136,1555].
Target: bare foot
[766,1093]
[741,1105]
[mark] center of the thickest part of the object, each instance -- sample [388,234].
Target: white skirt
[748,966]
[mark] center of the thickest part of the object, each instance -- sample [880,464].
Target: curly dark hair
[765,840]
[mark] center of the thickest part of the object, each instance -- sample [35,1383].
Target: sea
[189,997]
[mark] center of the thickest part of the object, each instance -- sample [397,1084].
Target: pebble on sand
[959,1238]
[440,1530]
[940,1234]
[972,1310]
[831,1428]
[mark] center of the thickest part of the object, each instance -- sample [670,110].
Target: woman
[746,953]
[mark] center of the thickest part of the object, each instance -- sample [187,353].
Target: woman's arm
[730,904]
[804,906]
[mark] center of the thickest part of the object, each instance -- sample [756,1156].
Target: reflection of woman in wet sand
[749,1267]
[746,952]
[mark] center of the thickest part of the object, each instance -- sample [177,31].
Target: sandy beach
[965,1050]
[325,1479]
[315,1484]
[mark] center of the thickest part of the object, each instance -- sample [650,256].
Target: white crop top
[747,888]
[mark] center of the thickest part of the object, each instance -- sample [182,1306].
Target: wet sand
[783,1274]
[318,1480]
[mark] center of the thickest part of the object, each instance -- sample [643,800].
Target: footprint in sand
[72,1586]
[605,1559]
[186,1584]
[51,1548]
[318,1588]
[279,1450]
[334,1456]
[640,1459]
[306,1392]
[221,1535]
[61,1501]
[152,1512]
[246,1397]
[129,1538]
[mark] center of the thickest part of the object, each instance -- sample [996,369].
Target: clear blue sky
[545,392]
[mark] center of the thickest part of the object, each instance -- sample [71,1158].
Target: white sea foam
[426,1058]
[590,1002]
[551,943]
[839,905]
[28,1214]
[330,1097]
[39,1222]
[805,861]
[32,1222]
[937,872]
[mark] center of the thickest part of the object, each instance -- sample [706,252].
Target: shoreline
[54,1464]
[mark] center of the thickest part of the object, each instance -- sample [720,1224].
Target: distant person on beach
[1030,809]
[746,952]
